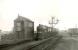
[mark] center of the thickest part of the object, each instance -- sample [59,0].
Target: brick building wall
[24,28]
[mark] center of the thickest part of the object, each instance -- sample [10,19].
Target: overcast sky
[40,11]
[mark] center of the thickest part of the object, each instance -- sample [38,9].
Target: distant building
[45,28]
[45,32]
[73,31]
[3,35]
[0,31]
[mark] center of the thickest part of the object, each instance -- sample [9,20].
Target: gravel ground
[68,44]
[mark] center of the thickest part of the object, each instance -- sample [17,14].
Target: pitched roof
[22,18]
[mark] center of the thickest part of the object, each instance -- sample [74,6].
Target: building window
[30,25]
[18,26]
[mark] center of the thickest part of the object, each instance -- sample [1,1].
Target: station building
[24,28]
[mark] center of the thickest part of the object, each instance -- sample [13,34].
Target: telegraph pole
[53,22]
